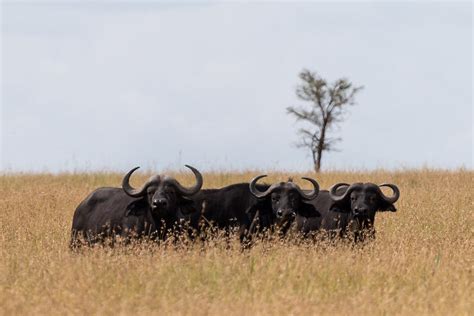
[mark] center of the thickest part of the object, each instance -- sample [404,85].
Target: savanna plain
[421,262]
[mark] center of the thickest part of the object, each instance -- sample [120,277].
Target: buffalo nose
[360,210]
[160,202]
[279,213]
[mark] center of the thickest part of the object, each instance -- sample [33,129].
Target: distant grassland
[420,264]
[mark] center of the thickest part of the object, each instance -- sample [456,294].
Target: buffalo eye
[275,198]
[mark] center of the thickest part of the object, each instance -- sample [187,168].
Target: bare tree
[325,108]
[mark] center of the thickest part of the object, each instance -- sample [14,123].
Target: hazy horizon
[108,86]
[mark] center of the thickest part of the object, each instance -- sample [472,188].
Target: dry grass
[421,262]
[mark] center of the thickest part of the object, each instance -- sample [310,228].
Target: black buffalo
[251,207]
[152,210]
[283,201]
[349,210]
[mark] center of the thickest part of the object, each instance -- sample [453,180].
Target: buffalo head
[287,199]
[163,194]
[363,199]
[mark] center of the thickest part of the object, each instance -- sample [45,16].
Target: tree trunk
[319,153]
[315,160]
[317,166]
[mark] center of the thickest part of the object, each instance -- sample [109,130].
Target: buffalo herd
[162,208]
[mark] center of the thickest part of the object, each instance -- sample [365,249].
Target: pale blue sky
[110,86]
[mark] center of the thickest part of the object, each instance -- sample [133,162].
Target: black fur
[341,218]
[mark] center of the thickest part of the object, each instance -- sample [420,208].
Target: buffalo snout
[361,210]
[160,203]
[285,214]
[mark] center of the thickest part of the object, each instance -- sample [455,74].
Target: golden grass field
[420,264]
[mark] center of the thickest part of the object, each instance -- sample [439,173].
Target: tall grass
[420,263]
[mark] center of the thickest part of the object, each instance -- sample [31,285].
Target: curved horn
[396,193]
[313,194]
[333,191]
[192,190]
[129,189]
[258,194]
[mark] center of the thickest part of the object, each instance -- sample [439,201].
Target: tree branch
[325,106]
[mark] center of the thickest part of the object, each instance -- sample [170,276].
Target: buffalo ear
[252,209]
[187,206]
[265,213]
[264,206]
[250,213]
[340,206]
[308,210]
[136,207]
[384,206]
